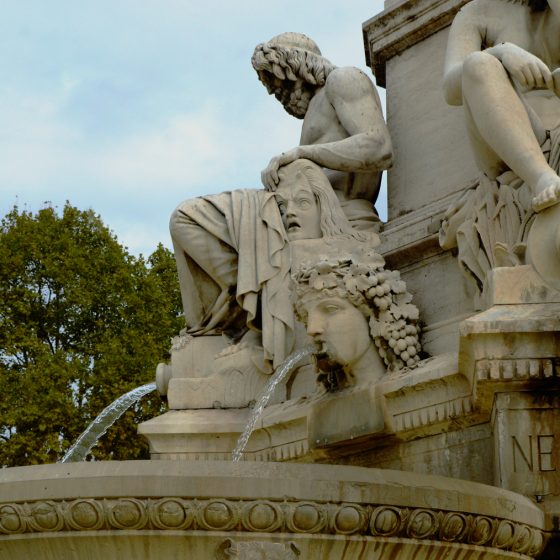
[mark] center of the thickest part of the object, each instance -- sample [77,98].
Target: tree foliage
[81,323]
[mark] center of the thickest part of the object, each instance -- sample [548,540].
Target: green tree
[81,323]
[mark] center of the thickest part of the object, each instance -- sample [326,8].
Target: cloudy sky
[130,106]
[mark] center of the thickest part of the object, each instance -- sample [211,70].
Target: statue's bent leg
[501,129]
[207,268]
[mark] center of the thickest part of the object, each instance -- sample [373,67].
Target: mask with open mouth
[299,208]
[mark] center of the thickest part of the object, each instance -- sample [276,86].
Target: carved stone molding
[402,26]
[432,396]
[522,369]
[493,376]
[510,347]
[429,415]
[268,516]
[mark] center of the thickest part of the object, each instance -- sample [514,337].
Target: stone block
[346,416]
[517,285]
[193,356]
[526,429]
[406,49]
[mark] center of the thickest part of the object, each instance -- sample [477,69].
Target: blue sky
[129,107]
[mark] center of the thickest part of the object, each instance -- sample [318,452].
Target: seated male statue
[230,247]
[233,257]
[234,260]
[502,65]
[359,316]
[343,128]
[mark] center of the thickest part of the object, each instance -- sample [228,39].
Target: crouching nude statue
[502,66]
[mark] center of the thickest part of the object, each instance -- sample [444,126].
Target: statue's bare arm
[488,58]
[356,106]
[475,23]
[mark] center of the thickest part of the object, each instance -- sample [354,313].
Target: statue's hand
[529,70]
[269,175]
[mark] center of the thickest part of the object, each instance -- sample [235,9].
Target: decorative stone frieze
[256,516]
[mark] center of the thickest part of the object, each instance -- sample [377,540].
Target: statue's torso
[535,32]
[320,126]
[506,21]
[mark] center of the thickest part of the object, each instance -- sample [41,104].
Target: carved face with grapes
[359,316]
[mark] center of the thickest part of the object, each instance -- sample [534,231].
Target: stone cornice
[402,26]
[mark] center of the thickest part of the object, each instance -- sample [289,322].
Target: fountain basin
[213,510]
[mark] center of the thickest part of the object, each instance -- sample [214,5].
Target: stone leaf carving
[488,225]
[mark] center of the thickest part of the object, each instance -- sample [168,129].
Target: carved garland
[269,516]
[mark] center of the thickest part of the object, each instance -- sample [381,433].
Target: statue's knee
[178,218]
[174,220]
[480,67]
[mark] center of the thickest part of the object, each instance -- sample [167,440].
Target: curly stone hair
[333,220]
[290,56]
[379,294]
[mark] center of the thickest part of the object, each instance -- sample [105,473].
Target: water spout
[90,436]
[283,369]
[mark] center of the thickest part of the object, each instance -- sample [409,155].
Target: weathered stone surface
[432,158]
[526,427]
[543,246]
[401,26]
[504,74]
[147,509]
[232,249]
[517,285]
[432,162]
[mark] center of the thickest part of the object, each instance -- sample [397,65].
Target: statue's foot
[548,192]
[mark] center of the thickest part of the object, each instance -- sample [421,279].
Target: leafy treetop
[81,322]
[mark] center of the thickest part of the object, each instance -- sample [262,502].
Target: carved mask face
[299,209]
[338,328]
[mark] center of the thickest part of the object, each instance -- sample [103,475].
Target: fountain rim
[223,499]
[249,480]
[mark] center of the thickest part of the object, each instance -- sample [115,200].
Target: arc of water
[90,436]
[281,372]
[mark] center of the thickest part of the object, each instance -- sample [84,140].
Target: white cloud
[94,113]
[185,150]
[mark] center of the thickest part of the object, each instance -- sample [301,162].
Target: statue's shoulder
[346,73]
[347,80]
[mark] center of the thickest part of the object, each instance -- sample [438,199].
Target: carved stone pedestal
[526,428]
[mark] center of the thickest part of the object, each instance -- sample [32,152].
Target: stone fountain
[424,425]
